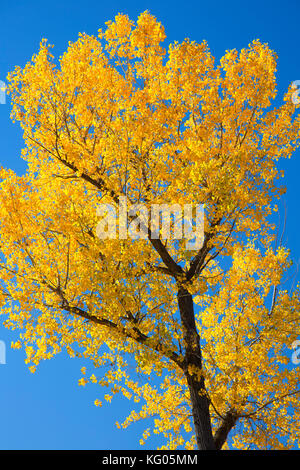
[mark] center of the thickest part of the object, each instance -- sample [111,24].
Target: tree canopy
[176,330]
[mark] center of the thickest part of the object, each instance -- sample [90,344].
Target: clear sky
[48,410]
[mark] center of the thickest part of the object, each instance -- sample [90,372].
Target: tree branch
[228,422]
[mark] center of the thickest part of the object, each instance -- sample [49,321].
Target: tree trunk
[193,362]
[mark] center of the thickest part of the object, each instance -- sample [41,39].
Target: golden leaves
[117,115]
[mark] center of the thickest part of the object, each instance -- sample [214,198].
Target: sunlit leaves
[120,115]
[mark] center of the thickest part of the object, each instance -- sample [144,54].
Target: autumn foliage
[119,115]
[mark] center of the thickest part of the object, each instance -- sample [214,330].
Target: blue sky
[48,410]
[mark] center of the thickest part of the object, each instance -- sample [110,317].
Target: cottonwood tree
[200,337]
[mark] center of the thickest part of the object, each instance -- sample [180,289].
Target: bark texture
[199,399]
